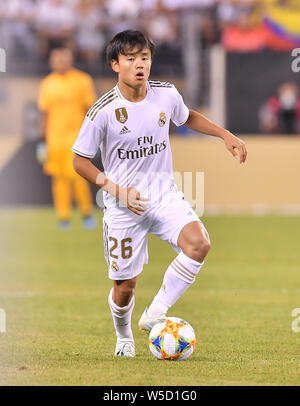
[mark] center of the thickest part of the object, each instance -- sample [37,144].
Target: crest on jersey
[121,115]
[162,119]
[114,266]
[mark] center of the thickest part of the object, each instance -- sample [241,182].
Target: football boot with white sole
[125,347]
[146,323]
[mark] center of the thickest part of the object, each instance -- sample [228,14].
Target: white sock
[121,317]
[179,276]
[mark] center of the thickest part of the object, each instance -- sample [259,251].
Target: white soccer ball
[172,339]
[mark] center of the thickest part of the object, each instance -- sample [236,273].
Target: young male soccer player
[130,124]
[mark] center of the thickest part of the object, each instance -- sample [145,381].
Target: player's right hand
[131,197]
[41,152]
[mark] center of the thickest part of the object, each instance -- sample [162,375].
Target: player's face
[61,61]
[133,67]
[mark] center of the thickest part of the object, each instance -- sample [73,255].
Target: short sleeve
[44,98]
[89,92]
[89,139]
[180,112]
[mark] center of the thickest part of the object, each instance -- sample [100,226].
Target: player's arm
[198,122]
[129,196]
[44,104]
[43,125]
[41,147]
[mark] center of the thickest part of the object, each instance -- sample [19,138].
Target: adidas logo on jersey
[125,130]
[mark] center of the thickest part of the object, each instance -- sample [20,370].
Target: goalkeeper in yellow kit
[65,96]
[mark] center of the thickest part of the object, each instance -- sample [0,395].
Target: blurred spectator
[205,10]
[161,19]
[281,113]
[90,20]
[208,22]
[55,25]
[31,26]
[160,22]
[244,36]
[15,19]
[229,11]
[123,15]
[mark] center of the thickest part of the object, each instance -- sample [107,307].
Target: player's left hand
[232,143]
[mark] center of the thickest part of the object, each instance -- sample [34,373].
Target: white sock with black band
[180,274]
[121,317]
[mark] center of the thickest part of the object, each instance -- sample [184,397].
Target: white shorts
[126,249]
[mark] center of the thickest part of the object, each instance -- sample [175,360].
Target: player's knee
[199,249]
[126,291]
[205,247]
[123,291]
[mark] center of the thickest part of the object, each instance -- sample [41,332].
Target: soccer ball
[172,339]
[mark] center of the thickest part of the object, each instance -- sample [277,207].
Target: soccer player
[66,94]
[130,124]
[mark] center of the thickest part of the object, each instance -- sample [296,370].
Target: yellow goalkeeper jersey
[65,98]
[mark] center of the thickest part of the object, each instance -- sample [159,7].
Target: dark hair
[127,40]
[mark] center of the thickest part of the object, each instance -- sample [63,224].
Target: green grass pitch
[59,331]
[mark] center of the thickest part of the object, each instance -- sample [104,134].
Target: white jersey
[134,143]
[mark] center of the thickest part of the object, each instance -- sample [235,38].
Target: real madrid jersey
[134,143]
